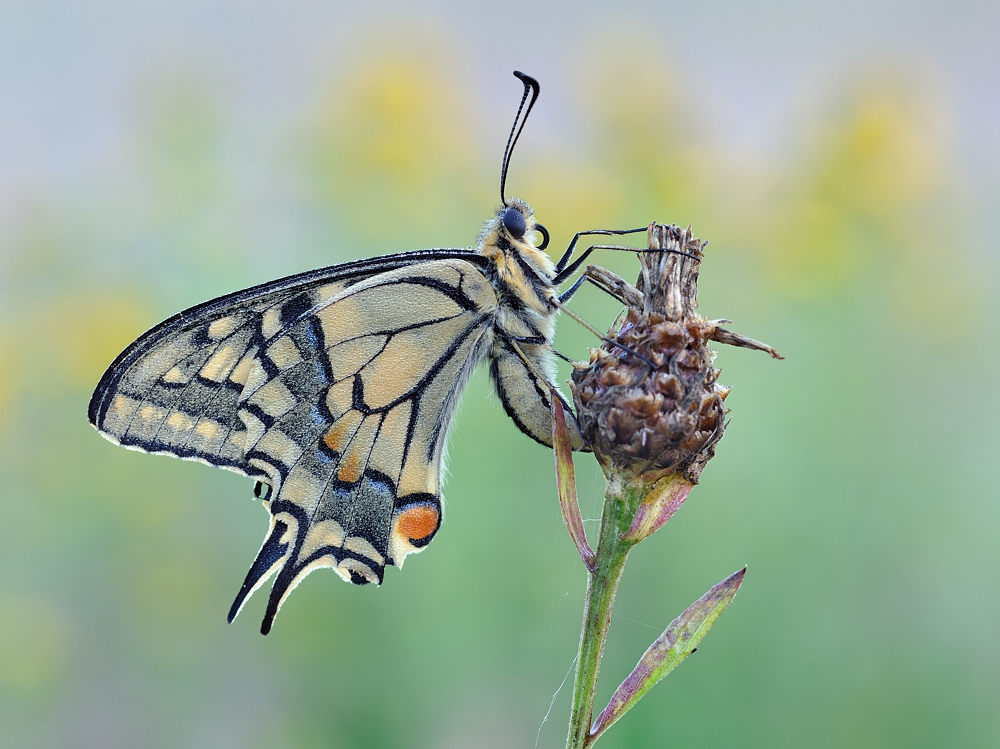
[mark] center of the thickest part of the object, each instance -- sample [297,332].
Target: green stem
[620,502]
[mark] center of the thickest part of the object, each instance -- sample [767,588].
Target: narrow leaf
[676,643]
[566,482]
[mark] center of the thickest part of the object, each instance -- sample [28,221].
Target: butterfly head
[516,215]
[513,227]
[508,239]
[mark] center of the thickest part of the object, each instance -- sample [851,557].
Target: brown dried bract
[644,419]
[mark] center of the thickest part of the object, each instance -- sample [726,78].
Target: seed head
[650,403]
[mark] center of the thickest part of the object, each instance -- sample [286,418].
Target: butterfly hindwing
[525,392]
[346,412]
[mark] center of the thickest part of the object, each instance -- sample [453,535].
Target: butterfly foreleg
[561,268]
[574,266]
[564,271]
[568,294]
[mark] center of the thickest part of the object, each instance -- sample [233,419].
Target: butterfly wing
[335,388]
[523,375]
[346,412]
[175,390]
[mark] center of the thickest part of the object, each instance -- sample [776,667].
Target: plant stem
[620,502]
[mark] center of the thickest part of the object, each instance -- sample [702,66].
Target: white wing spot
[221,328]
[175,376]
[220,363]
[271,322]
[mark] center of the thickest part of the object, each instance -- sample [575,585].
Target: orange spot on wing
[336,436]
[418,522]
[350,468]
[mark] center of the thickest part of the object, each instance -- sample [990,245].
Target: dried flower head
[650,403]
[651,406]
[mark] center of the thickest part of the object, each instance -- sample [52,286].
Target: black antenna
[532,85]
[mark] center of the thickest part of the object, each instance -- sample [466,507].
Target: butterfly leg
[567,295]
[564,271]
[610,283]
[561,264]
[540,341]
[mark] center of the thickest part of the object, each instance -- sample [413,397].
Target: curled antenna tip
[530,86]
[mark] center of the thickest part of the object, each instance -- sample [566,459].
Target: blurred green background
[842,159]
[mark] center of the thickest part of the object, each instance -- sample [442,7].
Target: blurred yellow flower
[647,131]
[73,338]
[872,176]
[392,152]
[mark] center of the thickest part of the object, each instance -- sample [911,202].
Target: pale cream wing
[175,390]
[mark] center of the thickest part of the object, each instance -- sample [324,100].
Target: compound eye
[514,222]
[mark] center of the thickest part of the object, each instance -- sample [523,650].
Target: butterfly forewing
[176,389]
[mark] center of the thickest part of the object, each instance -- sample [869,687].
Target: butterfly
[334,389]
